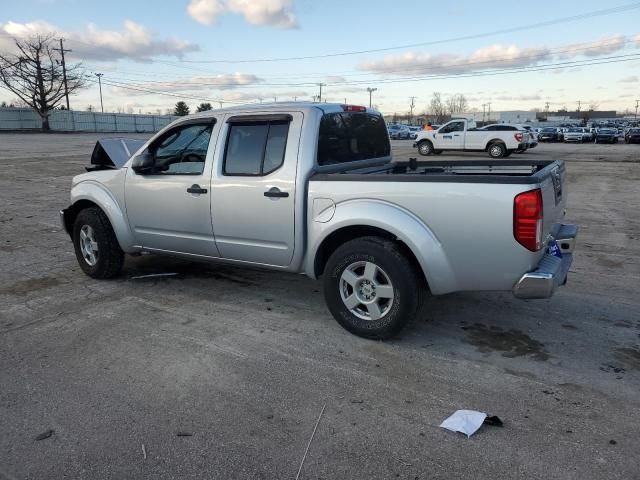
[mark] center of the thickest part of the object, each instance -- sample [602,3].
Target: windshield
[549,130]
[634,130]
[575,130]
[607,130]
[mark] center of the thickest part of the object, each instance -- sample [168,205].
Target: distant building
[517,116]
[577,115]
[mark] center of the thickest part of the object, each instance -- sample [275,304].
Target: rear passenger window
[255,148]
[349,137]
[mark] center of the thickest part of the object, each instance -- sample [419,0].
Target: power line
[418,69]
[573,18]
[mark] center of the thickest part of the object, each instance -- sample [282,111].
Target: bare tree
[35,75]
[457,104]
[437,108]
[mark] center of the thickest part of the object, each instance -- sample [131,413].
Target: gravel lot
[222,372]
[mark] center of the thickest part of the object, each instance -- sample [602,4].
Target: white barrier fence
[73,121]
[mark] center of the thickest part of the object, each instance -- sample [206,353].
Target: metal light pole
[370,90]
[636,115]
[320,95]
[99,75]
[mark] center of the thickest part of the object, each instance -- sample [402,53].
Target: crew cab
[463,135]
[311,188]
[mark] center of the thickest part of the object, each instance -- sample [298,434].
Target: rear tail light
[353,108]
[518,136]
[527,219]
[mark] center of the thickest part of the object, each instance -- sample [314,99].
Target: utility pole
[411,107]
[64,69]
[370,90]
[275,99]
[546,107]
[100,75]
[579,105]
[489,112]
[484,110]
[636,115]
[320,95]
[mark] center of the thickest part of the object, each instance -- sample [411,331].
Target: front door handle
[275,193]
[195,188]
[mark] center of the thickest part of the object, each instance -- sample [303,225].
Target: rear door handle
[195,188]
[275,193]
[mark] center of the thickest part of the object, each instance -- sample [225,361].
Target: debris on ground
[154,275]
[469,421]
[44,435]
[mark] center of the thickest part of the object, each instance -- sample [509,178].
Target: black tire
[437,152]
[425,148]
[497,150]
[109,257]
[407,283]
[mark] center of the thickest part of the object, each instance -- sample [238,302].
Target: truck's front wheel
[96,246]
[371,287]
[425,148]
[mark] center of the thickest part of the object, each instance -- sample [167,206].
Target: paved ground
[243,360]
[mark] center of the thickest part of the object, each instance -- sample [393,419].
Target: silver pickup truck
[311,188]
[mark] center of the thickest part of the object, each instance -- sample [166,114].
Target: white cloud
[201,83]
[205,11]
[133,41]
[494,56]
[631,79]
[602,46]
[277,13]
[484,58]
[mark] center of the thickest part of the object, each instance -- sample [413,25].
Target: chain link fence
[71,121]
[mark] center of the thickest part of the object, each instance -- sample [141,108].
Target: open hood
[114,152]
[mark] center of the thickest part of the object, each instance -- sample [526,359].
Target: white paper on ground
[464,421]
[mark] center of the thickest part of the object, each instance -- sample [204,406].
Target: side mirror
[143,164]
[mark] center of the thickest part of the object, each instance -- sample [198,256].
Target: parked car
[533,136]
[399,132]
[632,136]
[311,188]
[576,134]
[413,132]
[463,135]
[551,134]
[607,135]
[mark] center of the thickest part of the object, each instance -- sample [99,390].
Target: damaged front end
[113,153]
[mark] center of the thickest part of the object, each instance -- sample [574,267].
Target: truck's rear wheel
[497,150]
[96,246]
[425,148]
[371,287]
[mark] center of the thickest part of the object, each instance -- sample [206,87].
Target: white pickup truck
[462,135]
[310,188]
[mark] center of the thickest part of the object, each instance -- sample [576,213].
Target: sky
[155,53]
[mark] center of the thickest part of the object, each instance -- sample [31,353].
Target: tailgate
[554,195]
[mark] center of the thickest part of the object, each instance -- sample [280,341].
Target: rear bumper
[551,271]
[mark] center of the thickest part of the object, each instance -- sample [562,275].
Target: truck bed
[475,171]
